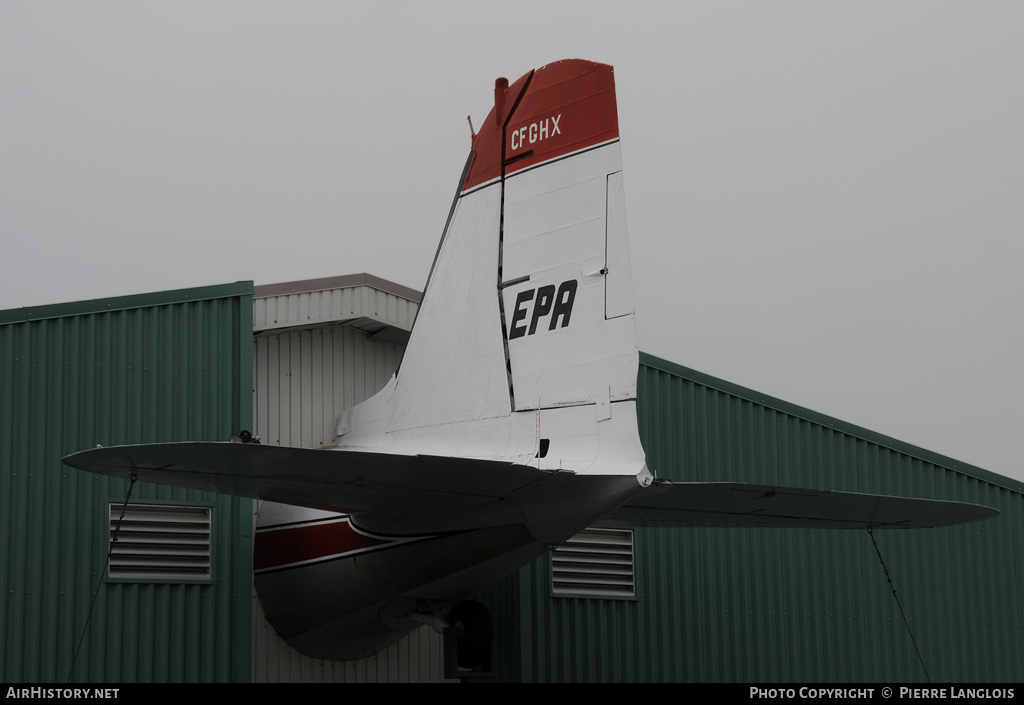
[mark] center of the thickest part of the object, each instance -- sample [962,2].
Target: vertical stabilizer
[524,346]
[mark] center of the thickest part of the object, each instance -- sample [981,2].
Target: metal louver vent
[160,542]
[596,562]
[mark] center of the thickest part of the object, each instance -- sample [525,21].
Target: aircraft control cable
[892,587]
[106,563]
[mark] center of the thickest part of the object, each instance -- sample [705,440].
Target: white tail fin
[524,348]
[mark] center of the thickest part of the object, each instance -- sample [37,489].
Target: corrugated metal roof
[370,304]
[159,367]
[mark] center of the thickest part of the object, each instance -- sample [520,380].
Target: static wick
[472,132]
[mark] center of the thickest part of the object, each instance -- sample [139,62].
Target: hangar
[729,605]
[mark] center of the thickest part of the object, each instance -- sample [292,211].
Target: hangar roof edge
[832,422]
[120,303]
[339,282]
[382,309]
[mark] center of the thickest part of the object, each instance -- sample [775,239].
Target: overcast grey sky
[825,200]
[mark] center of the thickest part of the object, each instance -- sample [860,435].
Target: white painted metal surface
[455,369]
[532,283]
[557,230]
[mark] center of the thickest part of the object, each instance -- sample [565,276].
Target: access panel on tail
[511,423]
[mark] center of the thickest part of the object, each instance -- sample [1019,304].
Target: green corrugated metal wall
[783,605]
[161,367]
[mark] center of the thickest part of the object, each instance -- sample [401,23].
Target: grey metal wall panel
[159,367]
[304,379]
[756,605]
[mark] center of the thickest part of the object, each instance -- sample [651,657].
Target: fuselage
[336,590]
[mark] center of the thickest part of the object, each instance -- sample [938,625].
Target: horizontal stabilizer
[726,504]
[414,493]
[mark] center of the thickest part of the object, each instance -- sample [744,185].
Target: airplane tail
[522,363]
[524,348]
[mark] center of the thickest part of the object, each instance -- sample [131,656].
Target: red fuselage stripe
[300,544]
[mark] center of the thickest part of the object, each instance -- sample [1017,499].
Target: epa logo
[546,302]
